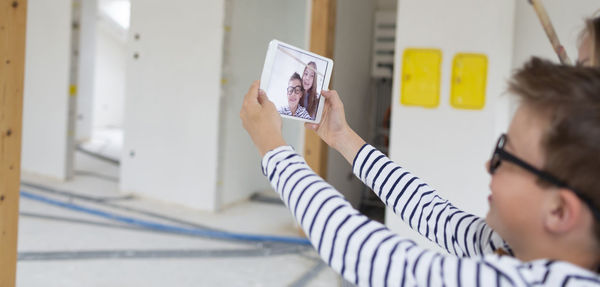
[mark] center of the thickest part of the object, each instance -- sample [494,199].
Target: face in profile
[308,77]
[513,211]
[294,92]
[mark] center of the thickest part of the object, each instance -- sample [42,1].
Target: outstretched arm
[261,119]
[334,129]
[414,201]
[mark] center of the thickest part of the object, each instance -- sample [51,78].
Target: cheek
[514,204]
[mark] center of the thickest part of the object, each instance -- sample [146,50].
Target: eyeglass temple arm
[551,179]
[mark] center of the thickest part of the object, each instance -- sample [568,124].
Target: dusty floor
[85,233]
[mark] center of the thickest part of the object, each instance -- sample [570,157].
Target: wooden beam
[322,38]
[13,16]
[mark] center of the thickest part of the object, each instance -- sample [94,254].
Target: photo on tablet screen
[297,79]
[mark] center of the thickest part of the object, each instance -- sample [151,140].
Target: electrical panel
[421,74]
[384,39]
[469,75]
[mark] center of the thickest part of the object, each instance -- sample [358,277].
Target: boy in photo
[294,93]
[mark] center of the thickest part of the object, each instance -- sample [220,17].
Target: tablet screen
[297,79]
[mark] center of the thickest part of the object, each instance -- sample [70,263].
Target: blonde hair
[311,108]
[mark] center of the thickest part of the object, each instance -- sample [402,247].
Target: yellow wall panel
[469,75]
[421,73]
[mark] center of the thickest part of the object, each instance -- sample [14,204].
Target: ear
[564,211]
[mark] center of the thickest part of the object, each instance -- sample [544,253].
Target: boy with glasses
[294,94]
[543,205]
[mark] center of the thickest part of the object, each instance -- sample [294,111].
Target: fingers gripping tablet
[293,80]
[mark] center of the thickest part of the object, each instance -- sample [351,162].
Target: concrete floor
[63,247]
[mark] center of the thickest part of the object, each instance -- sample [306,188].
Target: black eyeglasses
[500,154]
[296,90]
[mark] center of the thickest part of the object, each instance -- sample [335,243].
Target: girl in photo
[310,98]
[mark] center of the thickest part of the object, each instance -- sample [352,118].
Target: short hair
[568,98]
[296,76]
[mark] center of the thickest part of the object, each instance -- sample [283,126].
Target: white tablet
[293,80]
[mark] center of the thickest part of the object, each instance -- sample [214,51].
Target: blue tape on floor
[164,227]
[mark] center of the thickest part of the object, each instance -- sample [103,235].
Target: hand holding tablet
[293,80]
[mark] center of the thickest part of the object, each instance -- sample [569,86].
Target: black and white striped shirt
[300,112]
[369,254]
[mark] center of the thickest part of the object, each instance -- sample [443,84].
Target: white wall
[110,76]
[249,33]
[351,79]
[46,92]
[172,102]
[444,146]
[567,18]
[87,50]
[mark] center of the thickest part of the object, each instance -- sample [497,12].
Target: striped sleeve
[364,251]
[419,205]
[302,113]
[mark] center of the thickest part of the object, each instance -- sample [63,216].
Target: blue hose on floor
[165,227]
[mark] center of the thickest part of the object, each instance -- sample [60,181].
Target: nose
[487,166]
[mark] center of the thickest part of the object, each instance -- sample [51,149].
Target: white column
[172,101]
[85,86]
[46,93]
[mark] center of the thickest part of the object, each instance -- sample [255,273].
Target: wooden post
[549,29]
[322,38]
[13,16]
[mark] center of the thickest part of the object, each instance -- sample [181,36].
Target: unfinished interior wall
[85,85]
[248,34]
[172,101]
[110,73]
[444,146]
[46,92]
[351,79]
